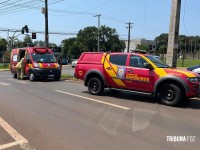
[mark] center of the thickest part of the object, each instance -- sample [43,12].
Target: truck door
[28,63]
[137,77]
[114,67]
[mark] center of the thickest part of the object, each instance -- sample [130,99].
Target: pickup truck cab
[136,72]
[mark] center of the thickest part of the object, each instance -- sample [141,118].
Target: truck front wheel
[170,94]
[31,76]
[95,86]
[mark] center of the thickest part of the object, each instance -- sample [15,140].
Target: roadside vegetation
[4,66]
[68,77]
[187,62]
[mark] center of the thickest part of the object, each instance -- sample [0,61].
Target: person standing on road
[20,69]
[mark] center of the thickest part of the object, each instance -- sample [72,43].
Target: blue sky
[150,18]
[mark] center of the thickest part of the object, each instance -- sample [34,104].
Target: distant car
[64,62]
[73,64]
[195,68]
[158,57]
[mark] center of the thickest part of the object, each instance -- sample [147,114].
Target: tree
[3,44]
[27,41]
[109,40]
[88,37]
[67,43]
[142,47]
[87,40]
[39,43]
[162,41]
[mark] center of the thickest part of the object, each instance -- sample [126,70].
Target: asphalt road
[62,115]
[67,69]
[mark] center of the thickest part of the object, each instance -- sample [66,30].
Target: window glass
[157,62]
[118,59]
[137,61]
[43,58]
[27,56]
[14,58]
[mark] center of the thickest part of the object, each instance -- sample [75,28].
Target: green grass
[4,66]
[187,62]
[68,77]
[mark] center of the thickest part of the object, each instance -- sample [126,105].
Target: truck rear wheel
[170,94]
[95,86]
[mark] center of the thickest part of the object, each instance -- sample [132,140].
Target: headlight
[36,65]
[193,80]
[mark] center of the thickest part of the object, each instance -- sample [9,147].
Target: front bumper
[44,73]
[194,91]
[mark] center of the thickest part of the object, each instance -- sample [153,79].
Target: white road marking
[94,100]
[3,83]
[10,145]
[19,139]
[23,82]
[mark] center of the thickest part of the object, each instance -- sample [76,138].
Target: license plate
[51,76]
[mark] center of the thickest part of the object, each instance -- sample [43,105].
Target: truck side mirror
[148,66]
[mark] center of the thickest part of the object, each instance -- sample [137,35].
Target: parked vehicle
[73,64]
[64,61]
[136,72]
[40,63]
[195,68]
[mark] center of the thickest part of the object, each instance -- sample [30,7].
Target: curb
[4,69]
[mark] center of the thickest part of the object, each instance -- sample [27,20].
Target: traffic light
[33,35]
[25,28]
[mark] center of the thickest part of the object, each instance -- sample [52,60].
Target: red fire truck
[40,63]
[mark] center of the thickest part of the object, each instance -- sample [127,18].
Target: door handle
[109,68]
[130,71]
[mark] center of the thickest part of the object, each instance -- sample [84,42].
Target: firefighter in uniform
[20,69]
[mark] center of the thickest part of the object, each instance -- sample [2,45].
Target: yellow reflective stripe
[160,72]
[188,74]
[103,58]
[119,82]
[40,64]
[56,65]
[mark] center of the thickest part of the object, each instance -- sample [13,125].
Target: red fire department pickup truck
[136,72]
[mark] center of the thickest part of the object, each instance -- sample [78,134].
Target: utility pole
[173,33]
[46,25]
[129,30]
[98,15]
[8,41]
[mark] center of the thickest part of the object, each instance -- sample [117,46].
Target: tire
[14,75]
[31,76]
[170,94]
[95,86]
[57,78]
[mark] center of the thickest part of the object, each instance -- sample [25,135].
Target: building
[133,44]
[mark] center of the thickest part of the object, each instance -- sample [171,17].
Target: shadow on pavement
[193,103]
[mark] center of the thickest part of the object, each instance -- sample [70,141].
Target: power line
[13,6]
[40,32]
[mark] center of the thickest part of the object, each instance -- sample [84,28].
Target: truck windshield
[43,58]
[157,62]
